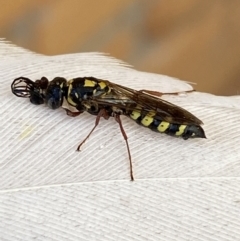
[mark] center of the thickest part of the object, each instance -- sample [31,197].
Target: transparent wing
[124,97]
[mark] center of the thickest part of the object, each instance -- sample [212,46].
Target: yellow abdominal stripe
[163,126]
[148,119]
[181,130]
[135,114]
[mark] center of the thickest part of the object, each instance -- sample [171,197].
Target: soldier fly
[105,99]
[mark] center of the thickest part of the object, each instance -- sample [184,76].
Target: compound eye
[55,93]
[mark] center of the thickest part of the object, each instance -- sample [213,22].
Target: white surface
[184,190]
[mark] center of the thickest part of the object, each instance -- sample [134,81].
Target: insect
[105,99]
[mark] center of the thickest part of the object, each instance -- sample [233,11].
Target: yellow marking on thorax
[148,119]
[69,99]
[135,114]
[181,130]
[70,81]
[163,126]
[89,83]
[102,85]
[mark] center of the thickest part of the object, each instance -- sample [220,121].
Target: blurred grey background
[194,40]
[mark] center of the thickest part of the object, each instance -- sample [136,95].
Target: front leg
[102,113]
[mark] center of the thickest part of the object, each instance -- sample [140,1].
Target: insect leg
[159,94]
[118,120]
[101,113]
[72,113]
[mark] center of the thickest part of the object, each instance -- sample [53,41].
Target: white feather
[184,190]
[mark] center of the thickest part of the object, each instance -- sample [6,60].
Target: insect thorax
[82,90]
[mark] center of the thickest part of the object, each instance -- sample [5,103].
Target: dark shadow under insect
[105,99]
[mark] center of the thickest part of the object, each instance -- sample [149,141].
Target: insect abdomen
[179,130]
